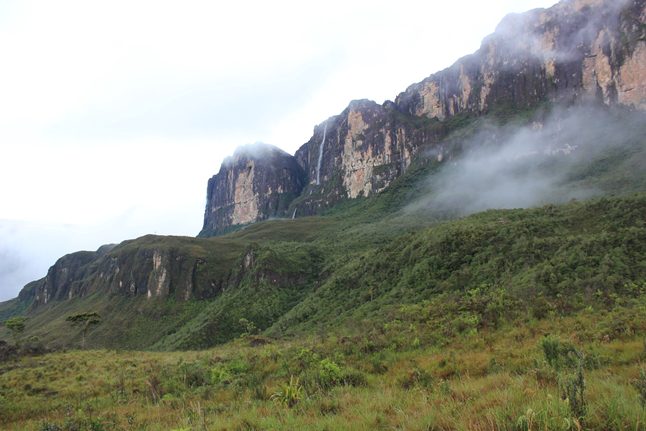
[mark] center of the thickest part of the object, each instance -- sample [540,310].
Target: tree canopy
[85,321]
[16,325]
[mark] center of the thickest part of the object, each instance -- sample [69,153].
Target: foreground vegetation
[420,367]
[413,241]
[398,311]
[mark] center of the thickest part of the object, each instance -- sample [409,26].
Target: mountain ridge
[366,179]
[574,53]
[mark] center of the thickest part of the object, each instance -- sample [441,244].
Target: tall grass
[489,379]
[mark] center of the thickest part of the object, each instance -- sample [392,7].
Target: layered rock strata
[574,53]
[257,183]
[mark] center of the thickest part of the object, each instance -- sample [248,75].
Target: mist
[519,35]
[567,154]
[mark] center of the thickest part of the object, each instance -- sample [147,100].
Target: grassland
[409,371]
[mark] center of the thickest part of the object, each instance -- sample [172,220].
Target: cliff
[64,278]
[354,154]
[575,52]
[578,52]
[256,184]
[192,292]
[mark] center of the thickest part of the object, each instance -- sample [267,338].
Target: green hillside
[412,242]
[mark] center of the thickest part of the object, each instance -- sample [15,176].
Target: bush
[329,374]
[572,389]
[558,353]
[220,374]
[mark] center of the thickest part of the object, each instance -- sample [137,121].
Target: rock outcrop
[574,53]
[64,278]
[357,154]
[257,183]
[149,267]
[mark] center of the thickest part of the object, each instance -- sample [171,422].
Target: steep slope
[577,52]
[257,183]
[386,177]
[573,52]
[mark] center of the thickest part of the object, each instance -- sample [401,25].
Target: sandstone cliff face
[155,267]
[574,52]
[257,183]
[577,52]
[157,272]
[150,267]
[356,154]
[351,145]
[64,278]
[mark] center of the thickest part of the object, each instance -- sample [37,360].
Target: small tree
[85,321]
[16,325]
[248,327]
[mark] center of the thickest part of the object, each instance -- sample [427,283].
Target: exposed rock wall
[153,267]
[257,183]
[63,278]
[156,272]
[576,51]
[149,267]
[365,148]
[362,137]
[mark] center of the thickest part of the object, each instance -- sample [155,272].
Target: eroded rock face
[574,52]
[141,270]
[577,52]
[365,148]
[63,279]
[154,273]
[257,183]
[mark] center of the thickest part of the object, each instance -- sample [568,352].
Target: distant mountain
[572,54]
[547,116]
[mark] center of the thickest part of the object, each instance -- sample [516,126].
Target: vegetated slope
[364,263]
[569,254]
[437,364]
[398,246]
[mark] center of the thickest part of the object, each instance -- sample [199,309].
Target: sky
[114,114]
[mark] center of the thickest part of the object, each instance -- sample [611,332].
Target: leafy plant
[289,394]
[329,374]
[572,392]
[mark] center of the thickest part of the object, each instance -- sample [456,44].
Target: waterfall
[294,215]
[318,168]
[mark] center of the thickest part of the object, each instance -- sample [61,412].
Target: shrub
[329,374]
[220,374]
[572,388]
[558,353]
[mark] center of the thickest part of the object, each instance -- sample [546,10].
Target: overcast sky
[114,114]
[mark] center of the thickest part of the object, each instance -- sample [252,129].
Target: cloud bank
[576,154]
